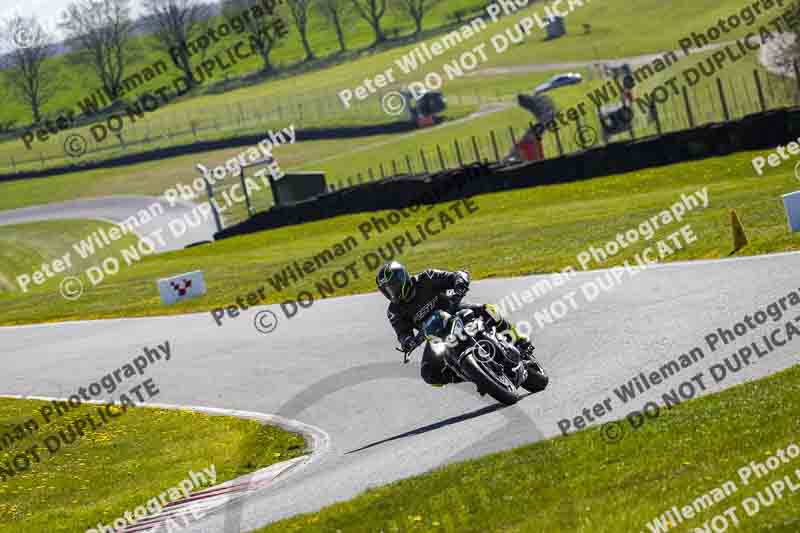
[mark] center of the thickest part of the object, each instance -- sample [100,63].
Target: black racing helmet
[395,282]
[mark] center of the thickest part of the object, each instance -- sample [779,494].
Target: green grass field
[618,31]
[650,27]
[346,158]
[340,159]
[583,483]
[26,246]
[541,230]
[125,463]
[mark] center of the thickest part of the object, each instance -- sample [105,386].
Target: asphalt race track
[116,209]
[333,366]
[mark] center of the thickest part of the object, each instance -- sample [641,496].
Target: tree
[416,9]
[372,11]
[102,31]
[783,54]
[27,74]
[176,21]
[264,34]
[336,11]
[299,9]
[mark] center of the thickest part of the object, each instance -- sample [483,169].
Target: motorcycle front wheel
[498,387]
[537,378]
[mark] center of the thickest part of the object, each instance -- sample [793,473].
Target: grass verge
[583,483]
[532,230]
[24,247]
[144,452]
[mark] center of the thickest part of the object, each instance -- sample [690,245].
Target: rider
[414,297]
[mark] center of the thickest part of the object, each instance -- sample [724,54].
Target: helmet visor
[396,288]
[391,292]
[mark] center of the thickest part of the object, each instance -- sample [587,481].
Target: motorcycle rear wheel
[487,382]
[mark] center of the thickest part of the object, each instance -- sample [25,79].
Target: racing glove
[461,286]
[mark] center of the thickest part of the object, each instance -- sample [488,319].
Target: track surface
[333,366]
[633,61]
[116,209]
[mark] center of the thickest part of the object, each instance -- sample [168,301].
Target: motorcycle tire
[537,378]
[488,384]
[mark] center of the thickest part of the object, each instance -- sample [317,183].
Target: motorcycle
[479,354]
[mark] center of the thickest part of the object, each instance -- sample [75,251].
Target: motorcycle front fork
[518,373]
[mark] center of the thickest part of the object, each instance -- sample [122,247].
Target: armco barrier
[759,131]
[387,194]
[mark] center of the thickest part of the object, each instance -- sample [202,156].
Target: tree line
[100,34]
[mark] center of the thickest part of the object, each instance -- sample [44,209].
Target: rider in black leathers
[414,297]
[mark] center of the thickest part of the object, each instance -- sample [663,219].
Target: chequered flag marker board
[181,287]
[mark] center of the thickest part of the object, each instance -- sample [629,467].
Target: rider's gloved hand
[408,343]
[461,285]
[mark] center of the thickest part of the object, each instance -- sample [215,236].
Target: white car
[559,80]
